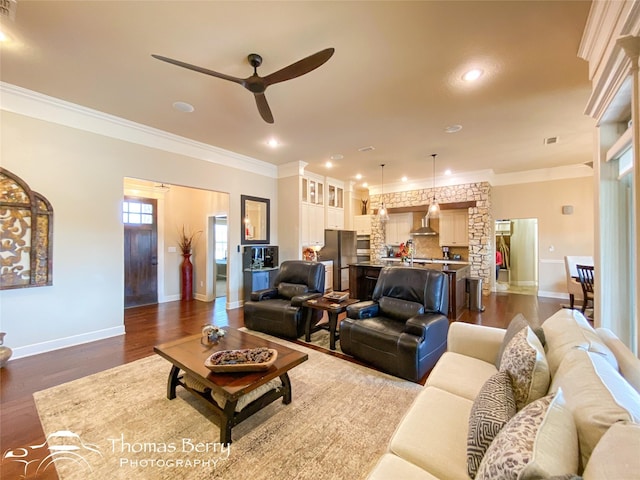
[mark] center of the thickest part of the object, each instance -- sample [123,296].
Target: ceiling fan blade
[263,107]
[299,68]
[206,71]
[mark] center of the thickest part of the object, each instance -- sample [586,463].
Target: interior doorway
[517,242]
[197,210]
[221,249]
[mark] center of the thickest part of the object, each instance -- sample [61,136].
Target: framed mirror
[256,220]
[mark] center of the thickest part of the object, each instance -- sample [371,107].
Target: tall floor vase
[187,278]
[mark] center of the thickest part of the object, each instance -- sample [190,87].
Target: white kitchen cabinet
[335,190]
[312,225]
[312,190]
[454,228]
[335,204]
[312,220]
[335,218]
[398,228]
[328,275]
[362,224]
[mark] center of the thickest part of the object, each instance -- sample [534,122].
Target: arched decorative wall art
[26,234]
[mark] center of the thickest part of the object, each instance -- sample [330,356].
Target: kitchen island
[364,275]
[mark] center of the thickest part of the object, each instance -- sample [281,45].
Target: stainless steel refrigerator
[340,246]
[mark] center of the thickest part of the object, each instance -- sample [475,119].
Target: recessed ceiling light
[453,128]
[358,176]
[404,179]
[273,143]
[472,75]
[365,184]
[447,172]
[336,156]
[183,107]
[3,37]
[328,164]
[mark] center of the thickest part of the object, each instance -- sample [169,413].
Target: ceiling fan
[257,84]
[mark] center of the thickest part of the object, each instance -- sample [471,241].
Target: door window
[137,212]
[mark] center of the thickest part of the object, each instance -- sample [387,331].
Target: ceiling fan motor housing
[255,60]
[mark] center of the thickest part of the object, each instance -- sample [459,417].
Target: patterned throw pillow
[516,324]
[525,361]
[492,409]
[540,441]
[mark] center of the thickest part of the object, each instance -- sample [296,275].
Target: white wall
[81,174]
[290,217]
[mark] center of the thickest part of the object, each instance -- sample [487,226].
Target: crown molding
[292,169]
[543,175]
[608,64]
[36,105]
[489,176]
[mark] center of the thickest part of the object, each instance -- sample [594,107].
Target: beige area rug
[319,339]
[338,424]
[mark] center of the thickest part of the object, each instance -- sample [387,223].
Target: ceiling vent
[366,149]
[551,140]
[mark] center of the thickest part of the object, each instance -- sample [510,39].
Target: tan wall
[192,208]
[559,234]
[82,174]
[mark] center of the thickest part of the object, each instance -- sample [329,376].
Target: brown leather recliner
[278,311]
[403,329]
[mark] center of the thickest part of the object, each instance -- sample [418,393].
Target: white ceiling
[394,82]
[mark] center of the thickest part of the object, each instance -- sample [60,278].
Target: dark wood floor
[146,327]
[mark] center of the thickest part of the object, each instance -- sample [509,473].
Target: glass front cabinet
[312,208]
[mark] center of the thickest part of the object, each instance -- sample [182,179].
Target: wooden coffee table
[188,355]
[333,309]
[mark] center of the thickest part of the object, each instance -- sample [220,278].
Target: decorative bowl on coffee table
[241,360]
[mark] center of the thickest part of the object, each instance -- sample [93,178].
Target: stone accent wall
[480,222]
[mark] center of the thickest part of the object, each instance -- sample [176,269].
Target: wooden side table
[333,309]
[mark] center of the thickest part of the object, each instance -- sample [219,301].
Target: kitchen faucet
[409,243]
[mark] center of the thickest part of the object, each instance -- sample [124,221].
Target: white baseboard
[204,298]
[560,295]
[43,347]
[170,298]
[234,305]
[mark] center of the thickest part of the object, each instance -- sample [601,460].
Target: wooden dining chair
[585,275]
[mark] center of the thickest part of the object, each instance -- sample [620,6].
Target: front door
[140,251]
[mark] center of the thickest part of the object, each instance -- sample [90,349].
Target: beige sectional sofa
[577,412]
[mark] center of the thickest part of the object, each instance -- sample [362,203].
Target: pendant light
[383,215]
[434,208]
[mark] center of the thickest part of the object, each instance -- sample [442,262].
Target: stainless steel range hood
[425,229]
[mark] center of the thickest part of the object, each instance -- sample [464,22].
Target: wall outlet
[171,250]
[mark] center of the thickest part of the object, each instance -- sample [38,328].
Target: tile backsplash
[429,246]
